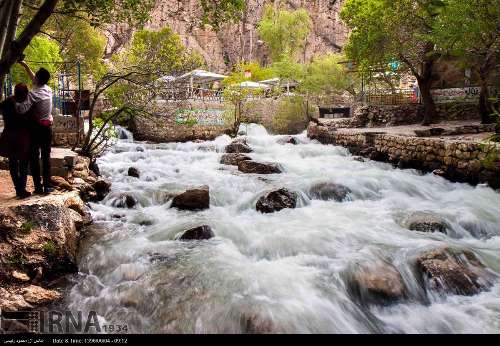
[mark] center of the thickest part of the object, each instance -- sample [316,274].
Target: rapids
[280,272]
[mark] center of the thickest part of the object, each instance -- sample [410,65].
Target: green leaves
[328,74]
[284,31]
[41,49]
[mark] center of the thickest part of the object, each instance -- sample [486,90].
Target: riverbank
[458,151]
[39,236]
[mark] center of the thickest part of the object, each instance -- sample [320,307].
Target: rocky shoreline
[458,160]
[39,237]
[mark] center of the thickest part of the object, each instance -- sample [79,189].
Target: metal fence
[396,97]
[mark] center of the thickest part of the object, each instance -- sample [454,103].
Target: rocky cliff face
[234,42]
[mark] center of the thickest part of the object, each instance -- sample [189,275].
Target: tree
[235,97]
[470,30]
[257,73]
[36,13]
[328,74]
[287,69]
[78,41]
[396,30]
[132,84]
[284,32]
[40,49]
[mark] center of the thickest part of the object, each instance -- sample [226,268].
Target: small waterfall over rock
[124,134]
[342,261]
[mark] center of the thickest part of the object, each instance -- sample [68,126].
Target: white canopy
[200,77]
[272,81]
[253,85]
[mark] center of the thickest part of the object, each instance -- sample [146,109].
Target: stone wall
[65,130]
[164,127]
[393,115]
[463,161]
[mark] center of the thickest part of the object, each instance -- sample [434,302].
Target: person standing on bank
[15,140]
[39,103]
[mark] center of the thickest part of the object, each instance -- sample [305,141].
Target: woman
[15,140]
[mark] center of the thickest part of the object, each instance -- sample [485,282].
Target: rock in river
[329,191]
[194,199]
[124,201]
[425,222]
[377,283]
[233,159]
[198,233]
[238,146]
[276,201]
[288,140]
[133,172]
[454,271]
[248,166]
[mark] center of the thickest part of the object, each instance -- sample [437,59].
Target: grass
[27,226]
[49,249]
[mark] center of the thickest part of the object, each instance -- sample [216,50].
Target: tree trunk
[424,83]
[484,105]
[17,47]
[9,33]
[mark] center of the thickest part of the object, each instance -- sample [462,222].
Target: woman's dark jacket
[15,138]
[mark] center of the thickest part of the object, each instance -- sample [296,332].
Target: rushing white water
[283,272]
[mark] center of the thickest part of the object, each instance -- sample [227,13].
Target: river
[279,272]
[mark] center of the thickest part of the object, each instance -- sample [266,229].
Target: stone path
[409,130]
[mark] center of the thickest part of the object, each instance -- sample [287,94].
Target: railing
[181,94]
[397,97]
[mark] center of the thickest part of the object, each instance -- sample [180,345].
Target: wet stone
[193,199]
[329,191]
[258,167]
[276,201]
[233,159]
[133,172]
[238,146]
[199,233]
[425,222]
[453,271]
[377,283]
[124,201]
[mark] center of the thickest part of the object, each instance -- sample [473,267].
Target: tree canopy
[395,30]
[328,74]
[284,32]
[470,31]
[41,49]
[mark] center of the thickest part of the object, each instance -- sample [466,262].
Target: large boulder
[238,146]
[248,166]
[233,159]
[194,199]
[377,283]
[329,191]
[199,233]
[453,271]
[276,201]
[425,222]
